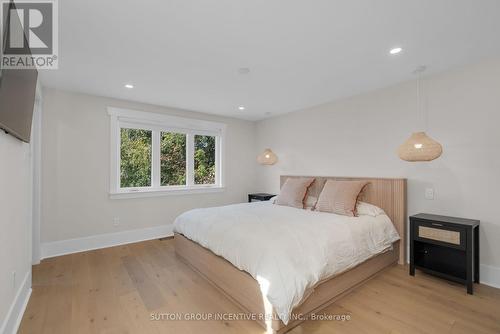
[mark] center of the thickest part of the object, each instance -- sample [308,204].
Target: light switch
[429,193]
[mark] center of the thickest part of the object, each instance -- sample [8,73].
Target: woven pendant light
[267,157]
[420,147]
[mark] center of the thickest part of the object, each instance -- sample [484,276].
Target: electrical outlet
[116,221]
[429,193]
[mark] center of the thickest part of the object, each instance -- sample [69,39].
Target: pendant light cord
[425,112]
[420,105]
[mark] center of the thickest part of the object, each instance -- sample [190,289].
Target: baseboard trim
[18,306]
[489,275]
[70,246]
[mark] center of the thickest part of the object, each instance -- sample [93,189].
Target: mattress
[287,250]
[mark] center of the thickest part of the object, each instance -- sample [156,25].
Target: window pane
[135,162]
[173,159]
[204,159]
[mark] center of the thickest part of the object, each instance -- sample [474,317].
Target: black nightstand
[447,247]
[260,197]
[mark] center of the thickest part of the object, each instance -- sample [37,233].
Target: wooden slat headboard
[387,194]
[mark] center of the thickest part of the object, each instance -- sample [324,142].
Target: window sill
[164,192]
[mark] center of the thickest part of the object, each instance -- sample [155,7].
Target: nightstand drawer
[451,237]
[440,234]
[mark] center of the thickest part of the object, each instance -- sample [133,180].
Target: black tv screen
[17,89]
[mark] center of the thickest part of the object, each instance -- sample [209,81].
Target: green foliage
[173,159]
[135,165]
[135,161]
[204,159]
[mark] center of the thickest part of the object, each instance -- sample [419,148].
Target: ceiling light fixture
[129,86]
[395,51]
[267,157]
[241,108]
[420,147]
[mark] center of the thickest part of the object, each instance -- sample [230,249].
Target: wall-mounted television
[17,86]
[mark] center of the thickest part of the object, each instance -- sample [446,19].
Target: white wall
[15,229]
[359,136]
[75,173]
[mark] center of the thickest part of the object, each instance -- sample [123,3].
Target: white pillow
[367,209]
[310,202]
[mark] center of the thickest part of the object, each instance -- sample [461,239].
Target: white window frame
[157,123]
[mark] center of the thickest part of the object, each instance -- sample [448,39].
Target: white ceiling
[186,53]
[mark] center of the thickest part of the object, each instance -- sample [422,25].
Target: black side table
[260,197]
[447,247]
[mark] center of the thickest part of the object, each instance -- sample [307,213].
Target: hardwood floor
[116,290]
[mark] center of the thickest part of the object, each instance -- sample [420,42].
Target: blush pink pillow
[340,197]
[294,191]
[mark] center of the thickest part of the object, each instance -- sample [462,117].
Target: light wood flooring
[115,290]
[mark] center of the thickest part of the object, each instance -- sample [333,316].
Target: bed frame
[243,289]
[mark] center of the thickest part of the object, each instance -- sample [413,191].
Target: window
[154,154]
[204,159]
[135,158]
[173,159]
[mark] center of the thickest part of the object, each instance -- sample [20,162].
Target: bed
[303,260]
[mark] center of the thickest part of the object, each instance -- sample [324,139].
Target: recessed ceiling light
[129,86]
[241,108]
[395,51]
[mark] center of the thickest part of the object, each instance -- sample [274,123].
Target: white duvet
[287,250]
